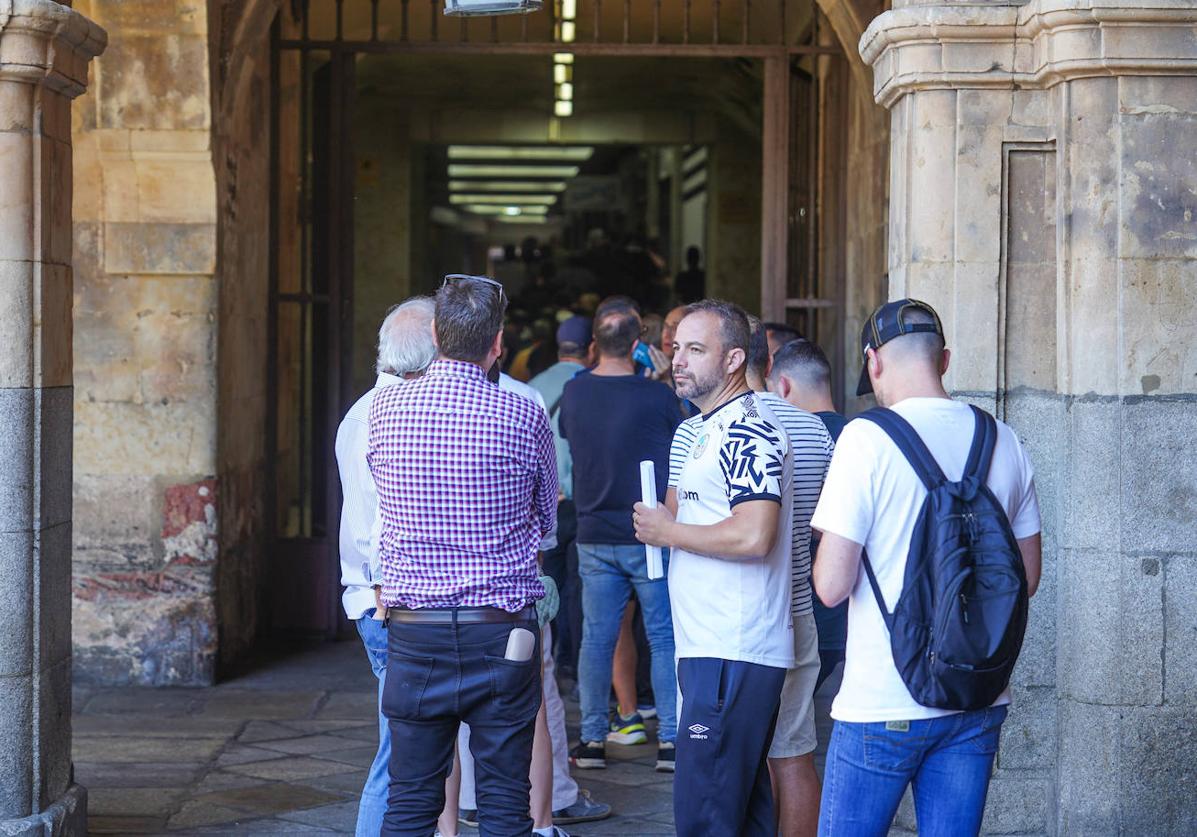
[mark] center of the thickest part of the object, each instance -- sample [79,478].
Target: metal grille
[586,27]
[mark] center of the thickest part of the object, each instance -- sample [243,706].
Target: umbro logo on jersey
[699,731]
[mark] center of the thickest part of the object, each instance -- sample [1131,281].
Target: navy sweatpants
[729,709]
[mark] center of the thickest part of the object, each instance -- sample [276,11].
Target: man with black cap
[883,739]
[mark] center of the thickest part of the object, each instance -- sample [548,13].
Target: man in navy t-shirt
[613,419]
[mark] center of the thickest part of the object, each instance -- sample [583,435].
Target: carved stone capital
[1026,45]
[43,42]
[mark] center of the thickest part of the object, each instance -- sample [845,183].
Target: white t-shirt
[872,496]
[734,608]
[812,448]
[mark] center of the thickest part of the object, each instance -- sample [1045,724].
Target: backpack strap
[908,441]
[980,455]
[885,614]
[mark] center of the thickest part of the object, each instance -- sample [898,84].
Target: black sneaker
[665,757]
[467,816]
[589,755]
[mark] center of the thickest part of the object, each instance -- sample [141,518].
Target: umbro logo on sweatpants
[699,731]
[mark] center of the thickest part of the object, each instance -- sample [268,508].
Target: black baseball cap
[886,323]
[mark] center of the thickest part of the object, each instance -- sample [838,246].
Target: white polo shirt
[723,607]
[872,496]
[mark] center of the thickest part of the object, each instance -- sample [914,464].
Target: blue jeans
[439,675]
[373,803]
[948,760]
[609,574]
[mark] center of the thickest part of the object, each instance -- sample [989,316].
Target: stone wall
[146,500]
[383,263]
[172,238]
[1044,168]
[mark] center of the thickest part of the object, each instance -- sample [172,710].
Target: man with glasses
[467,486]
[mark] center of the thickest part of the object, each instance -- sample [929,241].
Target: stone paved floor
[283,750]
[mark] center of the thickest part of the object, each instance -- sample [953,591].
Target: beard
[690,386]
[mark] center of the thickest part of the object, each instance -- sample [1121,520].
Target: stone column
[44,51]
[1044,199]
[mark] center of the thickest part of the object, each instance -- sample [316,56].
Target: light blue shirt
[550,384]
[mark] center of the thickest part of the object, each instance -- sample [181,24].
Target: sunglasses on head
[461,277]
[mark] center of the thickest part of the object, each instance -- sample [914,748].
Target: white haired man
[405,351]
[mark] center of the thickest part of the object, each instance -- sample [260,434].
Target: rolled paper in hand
[648,495]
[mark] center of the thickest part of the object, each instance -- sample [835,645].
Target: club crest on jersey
[701,447]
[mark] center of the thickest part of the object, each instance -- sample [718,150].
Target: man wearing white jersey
[883,740]
[728,526]
[791,755]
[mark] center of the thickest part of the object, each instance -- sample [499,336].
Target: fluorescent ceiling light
[521,219]
[520,152]
[561,73]
[486,170]
[488,209]
[569,9]
[563,108]
[506,186]
[567,31]
[563,58]
[505,200]
[565,91]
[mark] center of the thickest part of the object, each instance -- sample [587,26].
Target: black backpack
[958,626]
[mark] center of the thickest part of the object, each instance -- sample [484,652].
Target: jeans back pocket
[407,678]
[514,688]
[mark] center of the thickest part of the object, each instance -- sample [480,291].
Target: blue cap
[886,323]
[575,333]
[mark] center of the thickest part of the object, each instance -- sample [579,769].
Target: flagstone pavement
[284,750]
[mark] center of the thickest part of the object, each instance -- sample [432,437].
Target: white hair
[405,344]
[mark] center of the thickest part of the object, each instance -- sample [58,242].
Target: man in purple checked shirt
[467,487]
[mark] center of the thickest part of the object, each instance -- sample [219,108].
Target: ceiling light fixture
[499,170]
[491,7]
[563,76]
[506,186]
[545,200]
[489,209]
[577,153]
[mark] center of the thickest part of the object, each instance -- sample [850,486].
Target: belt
[460,615]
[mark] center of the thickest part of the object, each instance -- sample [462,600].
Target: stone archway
[45,48]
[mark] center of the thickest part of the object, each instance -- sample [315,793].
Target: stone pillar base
[66,817]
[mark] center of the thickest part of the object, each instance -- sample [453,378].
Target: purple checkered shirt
[467,486]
